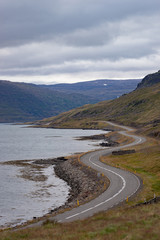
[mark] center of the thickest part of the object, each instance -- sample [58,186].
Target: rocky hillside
[140,108]
[150,80]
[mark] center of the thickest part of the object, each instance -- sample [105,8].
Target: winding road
[123,184]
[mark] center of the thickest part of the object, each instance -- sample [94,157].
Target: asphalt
[123,184]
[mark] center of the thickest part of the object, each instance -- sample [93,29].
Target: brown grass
[125,222]
[145,163]
[122,223]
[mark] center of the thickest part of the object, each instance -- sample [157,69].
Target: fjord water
[28,191]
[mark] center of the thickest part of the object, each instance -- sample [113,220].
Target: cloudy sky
[78,40]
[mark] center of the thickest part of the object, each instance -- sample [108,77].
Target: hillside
[139,217]
[21,102]
[27,102]
[140,108]
[102,89]
[150,80]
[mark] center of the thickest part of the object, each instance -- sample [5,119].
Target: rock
[83,181]
[50,161]
[108,144]
[123,152]
[108,129]
[151,201]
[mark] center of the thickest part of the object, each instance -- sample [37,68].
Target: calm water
[28,191]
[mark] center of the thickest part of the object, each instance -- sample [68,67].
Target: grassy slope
[129,224]
[125,222]
[29,102]
[139,108]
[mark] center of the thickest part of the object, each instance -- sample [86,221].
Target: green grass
[121,223]
[145,162]
[139,108]
[125,222]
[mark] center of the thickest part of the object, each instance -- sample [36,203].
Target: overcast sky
[78,40]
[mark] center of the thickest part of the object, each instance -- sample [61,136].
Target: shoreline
[77,197]
[85,182]
[83,176]
[85,185]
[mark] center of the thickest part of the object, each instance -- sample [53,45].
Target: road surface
[123,184]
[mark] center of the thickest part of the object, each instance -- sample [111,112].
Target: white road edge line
[124,185]
[107,200]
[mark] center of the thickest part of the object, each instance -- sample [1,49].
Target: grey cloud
[27,58]
[60,36]
[125,39]
[30,21]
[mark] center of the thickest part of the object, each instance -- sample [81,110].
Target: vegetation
[140,163]
[127,222]
[150,79]
[139,108]
[21,102]
[123,223]
[99,89]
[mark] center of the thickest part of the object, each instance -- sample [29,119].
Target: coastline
[65,171]
[85,185]
[76,175]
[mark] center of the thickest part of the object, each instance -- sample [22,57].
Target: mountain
[150,80]
[27,102]
[140,108]
[102,89]
[21,102]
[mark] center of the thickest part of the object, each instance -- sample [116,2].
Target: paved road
[123,184]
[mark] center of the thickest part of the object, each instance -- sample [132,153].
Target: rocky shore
[85,183]
[107,141]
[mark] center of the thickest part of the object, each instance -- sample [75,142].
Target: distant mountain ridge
[21,102]
[27,102]
[140,108]
[101,89]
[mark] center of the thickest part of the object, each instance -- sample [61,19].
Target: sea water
[28,191]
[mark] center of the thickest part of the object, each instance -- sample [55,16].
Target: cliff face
[150,80]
